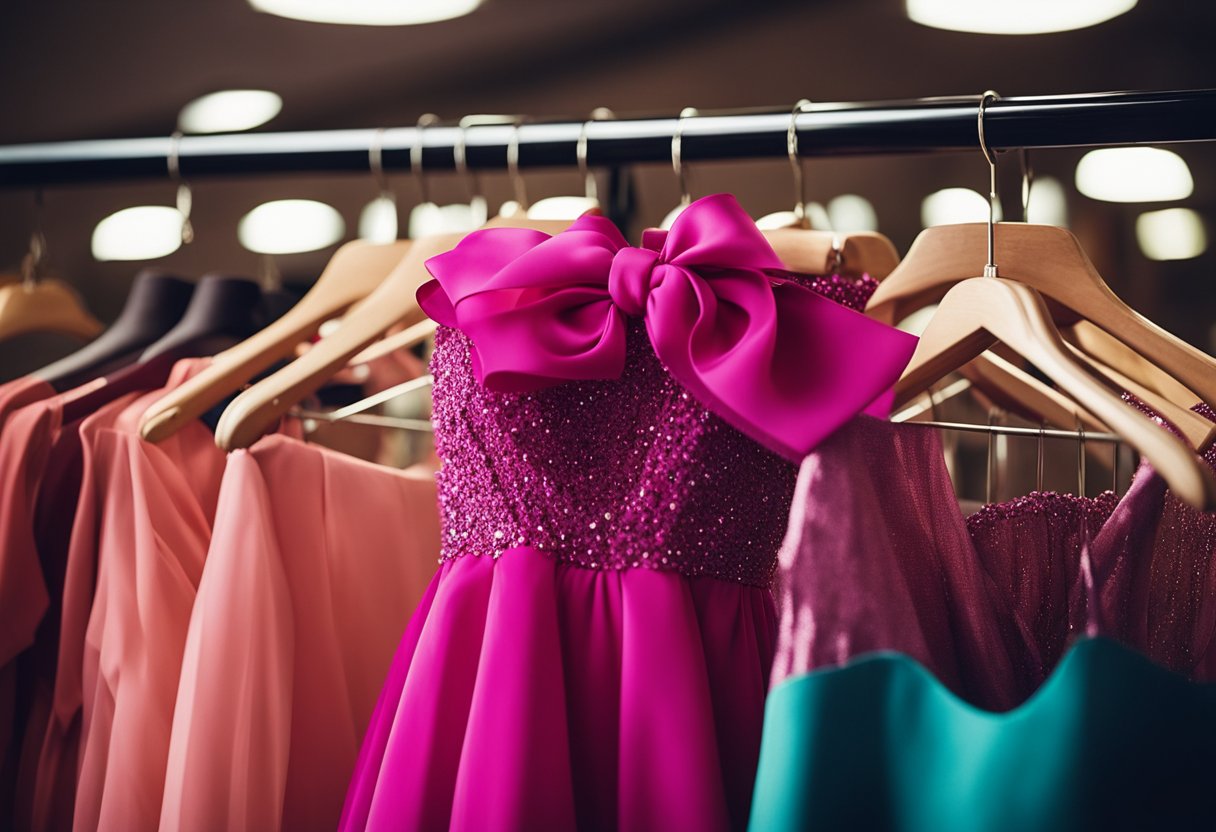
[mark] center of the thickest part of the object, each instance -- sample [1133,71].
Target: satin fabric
[778,362]
[533,694]
[1111,741]
[315,563]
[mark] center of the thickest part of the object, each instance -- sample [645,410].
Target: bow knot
[774,359]
[631,278]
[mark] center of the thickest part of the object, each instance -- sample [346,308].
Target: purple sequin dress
[878,557]
[594,652]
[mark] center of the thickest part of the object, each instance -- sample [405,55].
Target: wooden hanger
[1195,429]
[351,274]
[1050,260]
[1011,388]
[255,410]
[44,305]
[979,312]
[1117,356]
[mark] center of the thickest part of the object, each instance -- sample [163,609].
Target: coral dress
[617,426]
[315,563]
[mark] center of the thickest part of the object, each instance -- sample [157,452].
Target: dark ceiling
[125,67]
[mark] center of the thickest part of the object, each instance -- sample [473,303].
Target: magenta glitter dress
[595,649]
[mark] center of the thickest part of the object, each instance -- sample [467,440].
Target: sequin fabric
[628,473]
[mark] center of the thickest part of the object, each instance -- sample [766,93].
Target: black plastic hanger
[223,311]
[155,304]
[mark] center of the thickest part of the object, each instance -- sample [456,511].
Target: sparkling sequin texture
[632,472]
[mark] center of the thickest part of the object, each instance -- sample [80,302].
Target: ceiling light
[229,111]
[378,221]
[367,12]
[144,232]
[1134,174]
[951,206]
[287,226]
[816,215]
[561,207]
[1172,234]
[1048,203]
[850,212]
[428,219]
[1025,17]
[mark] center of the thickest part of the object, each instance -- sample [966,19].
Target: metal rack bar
[921,125]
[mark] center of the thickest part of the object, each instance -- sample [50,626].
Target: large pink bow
[774,359]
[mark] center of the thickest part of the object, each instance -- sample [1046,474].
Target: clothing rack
[826,129]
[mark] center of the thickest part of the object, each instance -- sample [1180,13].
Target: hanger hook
[1027,181]
[590,186]
[416,164]
[791,148]
[989,268]
[677,149]
[35,258]
[518,185]
[460,154]
[375,162]
[185,197]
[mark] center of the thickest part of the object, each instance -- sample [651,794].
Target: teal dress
[1110,742]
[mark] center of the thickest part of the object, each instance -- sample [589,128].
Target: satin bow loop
[774,359]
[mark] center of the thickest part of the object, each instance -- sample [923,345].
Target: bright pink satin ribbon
[774,359]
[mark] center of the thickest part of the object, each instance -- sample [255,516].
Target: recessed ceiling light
[378,221]
[229,111]
[144,232]
[368,12]
[951,206]
[1024,17]
[850,212]
[1134,174]
[1171,234]
[286,226]
[1048,203]
[816,215]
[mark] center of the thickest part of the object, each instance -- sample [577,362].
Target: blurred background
[129,68]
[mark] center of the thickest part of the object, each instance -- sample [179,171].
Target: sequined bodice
[632,472]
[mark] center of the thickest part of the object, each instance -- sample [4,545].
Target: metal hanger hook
[990,267]
[460,151]
[677,159]
[185,197]
[375,162]
[35,257]
[518,185]
[416,164]
[791,148]
[590,186]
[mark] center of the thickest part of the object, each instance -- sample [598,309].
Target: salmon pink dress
[316,561]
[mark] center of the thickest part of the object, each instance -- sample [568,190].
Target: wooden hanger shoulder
[48,305]
[978,312]
[351,274]
[1050,260]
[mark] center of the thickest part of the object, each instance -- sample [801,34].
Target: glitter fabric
[632,472]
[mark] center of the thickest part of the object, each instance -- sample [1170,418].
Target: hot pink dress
[316,561]
[594,651]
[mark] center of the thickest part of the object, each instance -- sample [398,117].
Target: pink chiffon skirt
[529,693]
